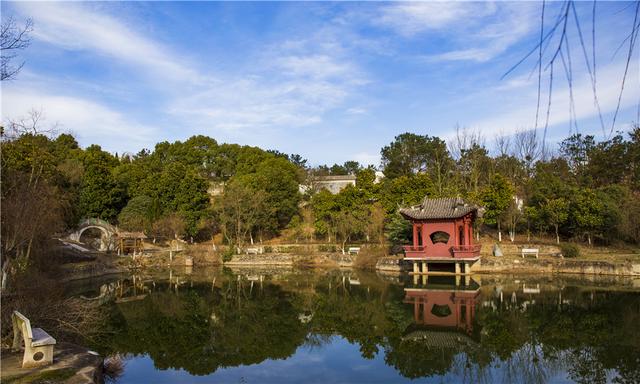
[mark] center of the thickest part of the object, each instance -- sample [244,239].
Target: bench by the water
[530,251]
[354,250]
[38,344]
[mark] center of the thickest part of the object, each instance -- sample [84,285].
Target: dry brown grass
[42,300]
[369,255]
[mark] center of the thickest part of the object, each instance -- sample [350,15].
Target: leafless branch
[13,38]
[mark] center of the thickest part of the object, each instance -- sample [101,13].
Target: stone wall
[545,265]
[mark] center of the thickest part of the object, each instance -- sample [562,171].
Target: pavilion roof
[442,208]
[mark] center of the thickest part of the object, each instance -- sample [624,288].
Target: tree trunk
[557,235]
[589,238]
[499,233]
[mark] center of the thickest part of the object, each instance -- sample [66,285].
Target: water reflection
[360,327]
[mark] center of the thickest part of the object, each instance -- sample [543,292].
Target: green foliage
[101,195]
[599,181]
[405,191]
[410,154]
[569,250]
[496,198]
[137,215]
[228,253]
[240,210]
[587,211]
[399,230]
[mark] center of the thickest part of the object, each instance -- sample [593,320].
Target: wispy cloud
[522,115]
[292,84]
[412,18]
[90,121]
[75,26]
[480,30]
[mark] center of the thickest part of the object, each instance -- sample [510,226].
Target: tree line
[586,191]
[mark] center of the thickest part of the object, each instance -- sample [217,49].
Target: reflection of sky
[337,361]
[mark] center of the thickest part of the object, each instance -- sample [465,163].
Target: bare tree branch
[13,38]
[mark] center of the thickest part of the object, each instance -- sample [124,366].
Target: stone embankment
[287,259]
[556,265]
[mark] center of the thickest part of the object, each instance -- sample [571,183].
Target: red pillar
[424,235]
[415,234]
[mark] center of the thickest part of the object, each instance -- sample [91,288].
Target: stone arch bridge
[107,239]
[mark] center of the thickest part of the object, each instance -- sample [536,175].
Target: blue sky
[330,81]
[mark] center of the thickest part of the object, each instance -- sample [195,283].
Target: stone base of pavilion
[460,266]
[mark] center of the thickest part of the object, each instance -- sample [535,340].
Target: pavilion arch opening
[439,237]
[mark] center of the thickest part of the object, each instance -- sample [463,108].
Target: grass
[42,377]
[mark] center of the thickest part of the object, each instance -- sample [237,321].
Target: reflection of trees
[413,359]
[202,328]
[358,314]
[586,338]
[180,330]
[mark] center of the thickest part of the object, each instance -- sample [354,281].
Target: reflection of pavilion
[444,306]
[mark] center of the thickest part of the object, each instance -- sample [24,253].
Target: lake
[287,325]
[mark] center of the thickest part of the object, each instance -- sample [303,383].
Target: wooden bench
[354,250]
[38,344]
[530,251]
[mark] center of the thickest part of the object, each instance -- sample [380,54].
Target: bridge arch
[108,231]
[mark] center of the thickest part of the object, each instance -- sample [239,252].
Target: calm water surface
[339,326]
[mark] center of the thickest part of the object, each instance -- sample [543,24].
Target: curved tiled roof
[443,208]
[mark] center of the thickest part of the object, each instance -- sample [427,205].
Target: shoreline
[486,265]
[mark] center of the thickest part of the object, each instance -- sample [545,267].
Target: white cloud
[481,30]
[75,26]
[366,158]
[90,121]
[294,85]
[523,113]
[290,85]
[412,18]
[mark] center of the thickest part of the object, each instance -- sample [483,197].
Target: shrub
[327,248]
[569,250]
[228,254]
[268,249]
[368,257]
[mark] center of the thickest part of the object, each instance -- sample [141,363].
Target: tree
[473,166]
[169,226]
[238,210]
[278,178]
[405,190]
[100,194]
[587,212]
[323,204]
[375,224]
[13,38]
[496,198]
[192,200]
[528,148]
[348,224]
[410,154]
[576,150]
[137,215]
[556,212]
